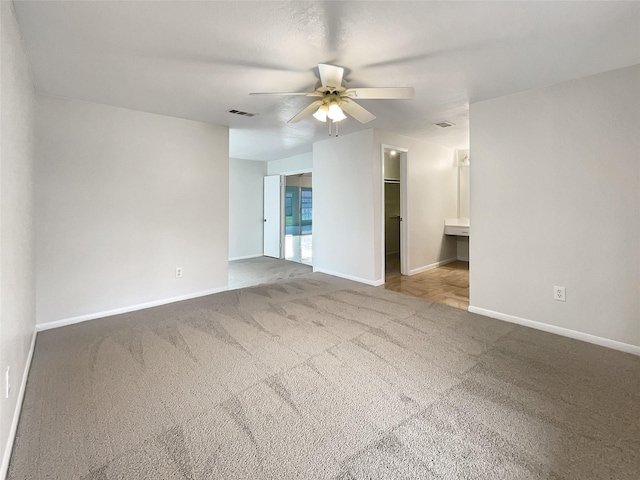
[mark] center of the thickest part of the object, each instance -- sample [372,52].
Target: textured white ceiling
[197,60]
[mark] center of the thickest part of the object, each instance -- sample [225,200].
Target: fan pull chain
[331,122]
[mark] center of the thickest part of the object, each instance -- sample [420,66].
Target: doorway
[394,202]
[273,221]
[298,205]
[392,228]
[449,283]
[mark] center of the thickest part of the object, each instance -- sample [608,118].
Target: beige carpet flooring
[315,377]
[259,270]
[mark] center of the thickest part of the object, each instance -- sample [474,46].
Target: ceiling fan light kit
[337,100]
[335,113]
[321,113]
[330,109]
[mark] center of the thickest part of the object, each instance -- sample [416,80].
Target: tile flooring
[448,284]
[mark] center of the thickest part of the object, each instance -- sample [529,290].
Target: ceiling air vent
[444,124]
[244,114]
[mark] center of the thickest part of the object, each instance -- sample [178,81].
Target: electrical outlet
[559,294]
[7,382]
[178,272]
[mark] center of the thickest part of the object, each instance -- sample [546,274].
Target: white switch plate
[178,272]
[559,294]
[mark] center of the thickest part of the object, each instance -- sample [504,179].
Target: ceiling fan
[336,99]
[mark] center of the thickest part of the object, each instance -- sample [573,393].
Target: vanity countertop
[457,226]
[457,222]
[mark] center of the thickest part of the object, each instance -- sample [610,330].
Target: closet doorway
[394,193]
[298,206]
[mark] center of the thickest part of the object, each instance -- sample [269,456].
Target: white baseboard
[373,283]
[463,259]
[107,313]
[245,257]
[16,413]
[565,332]
[433,265]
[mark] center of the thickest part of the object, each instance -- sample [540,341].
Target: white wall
[246,221]
[17,231]
[344,206]
[463,202]
[463,184]
[555,200]
[286,166]
[122,199]
[348,207]
[431,198]
[462,250]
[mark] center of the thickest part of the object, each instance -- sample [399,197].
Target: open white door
[273,197]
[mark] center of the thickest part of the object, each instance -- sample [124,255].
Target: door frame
[404,210]
[280,214]
[284,188]
[283,185]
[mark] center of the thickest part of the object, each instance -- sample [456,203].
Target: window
[288,207]
[306,207]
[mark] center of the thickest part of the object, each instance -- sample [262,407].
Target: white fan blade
[305,94]
[306,111]
[356,111]
[330,75]
[381,93]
